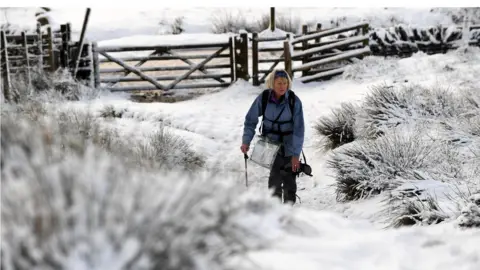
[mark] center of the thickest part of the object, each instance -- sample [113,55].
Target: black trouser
[278,176]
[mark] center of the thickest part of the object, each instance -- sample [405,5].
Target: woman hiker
[283,123]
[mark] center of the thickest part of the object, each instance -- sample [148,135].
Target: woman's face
[280,86]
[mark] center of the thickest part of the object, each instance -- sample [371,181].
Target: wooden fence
[321,60]
[314,55]
[24,52]
[310,52]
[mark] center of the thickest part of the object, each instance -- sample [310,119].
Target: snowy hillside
[111,23]
[167,186]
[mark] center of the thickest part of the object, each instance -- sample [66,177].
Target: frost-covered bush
[413,211]
[233,22]
[110,111]
[387,107]
[337,128]
[421,203]
[164,148]
[283,22]
[228,22]
[89,210]
[175,27]
[41,85]
[384,108]
[470,216]
[369,167]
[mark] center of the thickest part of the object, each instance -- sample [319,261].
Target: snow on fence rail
[331,32]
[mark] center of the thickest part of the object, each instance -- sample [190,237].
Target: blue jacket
[293,142]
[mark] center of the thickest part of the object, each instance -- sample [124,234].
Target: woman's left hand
[295,164]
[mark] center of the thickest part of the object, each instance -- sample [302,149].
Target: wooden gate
[139,68]
[24,52]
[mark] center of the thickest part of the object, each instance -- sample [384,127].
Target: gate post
[232,59]
[288,58]
[96,65]
[241,57]
[255,59]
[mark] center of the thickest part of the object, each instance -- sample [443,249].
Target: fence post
[96,65]
[63,52]
[272,19]
[255,59]
[365,32]
[69,32]
[304,47]
[40,46]
[69,39]
[241,57]
[27,62]
[319,28]
[288,58]
[51,57]
[232,59]
[6,68]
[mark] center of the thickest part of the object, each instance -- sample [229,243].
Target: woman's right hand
[244,148]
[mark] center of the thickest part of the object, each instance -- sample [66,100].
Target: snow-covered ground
[214,122]
[334,236]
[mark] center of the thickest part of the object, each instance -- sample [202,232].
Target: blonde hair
[271,78]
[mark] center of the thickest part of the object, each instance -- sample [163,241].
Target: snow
[344,245]
[164,40]
[330,235]
[323,74]
[277,33]
[113,22]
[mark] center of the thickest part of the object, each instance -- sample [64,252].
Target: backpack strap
[265,95]
[291,101]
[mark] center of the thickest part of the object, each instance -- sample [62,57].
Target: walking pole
[246,175]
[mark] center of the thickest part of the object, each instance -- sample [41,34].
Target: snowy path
[214,124]
[333,236]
